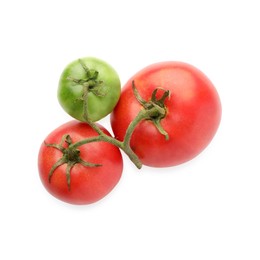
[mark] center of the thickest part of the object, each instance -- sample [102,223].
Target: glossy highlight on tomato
[193,113]
[86,184]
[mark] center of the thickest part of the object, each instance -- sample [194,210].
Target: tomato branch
[154,110]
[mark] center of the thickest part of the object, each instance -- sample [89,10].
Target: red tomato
[193,113]
[87,184]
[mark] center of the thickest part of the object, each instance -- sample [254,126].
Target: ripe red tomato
[193,113]
[86,184]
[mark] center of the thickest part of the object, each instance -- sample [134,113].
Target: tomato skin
[88,184]
[192,119]
[70,93]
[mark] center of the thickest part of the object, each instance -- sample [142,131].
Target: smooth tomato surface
[192,119]
[88,184]
[100,102]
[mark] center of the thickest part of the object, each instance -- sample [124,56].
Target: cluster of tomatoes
[165,115]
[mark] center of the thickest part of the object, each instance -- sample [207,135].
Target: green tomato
[89,89]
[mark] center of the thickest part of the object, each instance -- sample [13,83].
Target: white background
[207,208]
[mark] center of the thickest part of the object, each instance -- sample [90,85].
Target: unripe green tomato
[103,89]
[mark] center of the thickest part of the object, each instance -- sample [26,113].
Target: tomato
[103,88]
[81,184]
[192,113]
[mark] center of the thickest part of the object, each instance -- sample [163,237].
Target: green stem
[153,110]
[102,137]
[142,115]
[85,101]
[125,145]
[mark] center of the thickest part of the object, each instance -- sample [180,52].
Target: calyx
[71,156]
[90,81]
[155,108]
